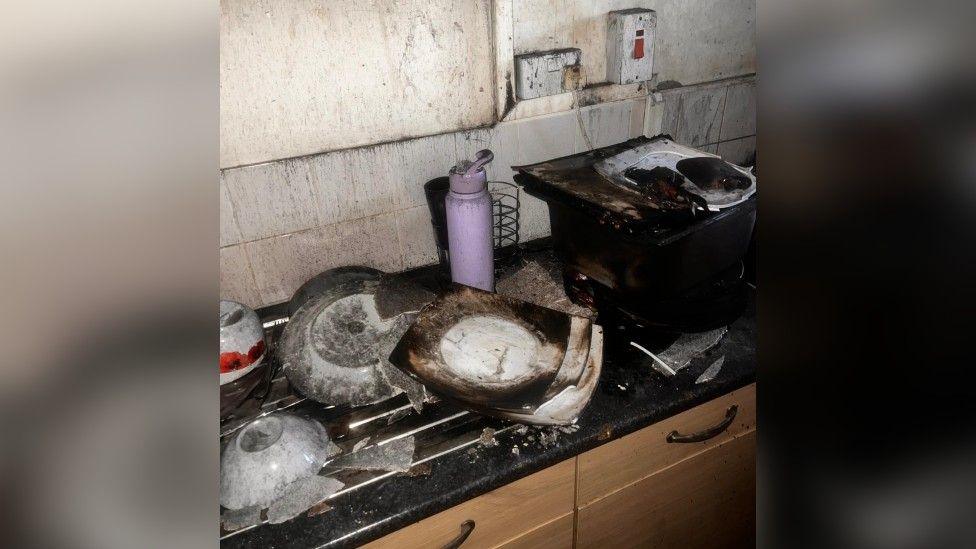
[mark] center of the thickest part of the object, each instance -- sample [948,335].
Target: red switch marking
[639,44]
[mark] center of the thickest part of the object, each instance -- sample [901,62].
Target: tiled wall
[283,222]
[717,117]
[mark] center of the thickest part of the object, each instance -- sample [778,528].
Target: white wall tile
[467,143]
[546,137]
[282,264]
[703,40]
[605,124]
[653,118]
[738,151]
[542,138]
[272,199]
[372,241]
[301,76]
[670,111]
[534,25]
[420,161]
[637,109]
[236,278]
[416,235]
[589,34]
[505,144]
[739,119]
[229,232]
[700,115]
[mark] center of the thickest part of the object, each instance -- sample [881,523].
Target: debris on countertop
[395,455]
[372,511]
[488,437]
[420,470]
[360,445]
[301,496]
[541,284]
[235,519]
[712,371]
[688,346]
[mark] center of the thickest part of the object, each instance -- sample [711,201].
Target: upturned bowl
[267,455]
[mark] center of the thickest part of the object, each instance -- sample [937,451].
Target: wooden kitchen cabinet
[705,501]
[638,455]
[501,516]
[557,534]
[637,491]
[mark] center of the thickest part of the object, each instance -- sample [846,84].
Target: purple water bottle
[469,224]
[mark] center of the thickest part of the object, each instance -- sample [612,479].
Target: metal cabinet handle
[675,436]
[466,528]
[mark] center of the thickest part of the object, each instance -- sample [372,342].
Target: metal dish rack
[439,430]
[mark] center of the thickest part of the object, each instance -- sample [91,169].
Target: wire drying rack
[505,202]
[439,430]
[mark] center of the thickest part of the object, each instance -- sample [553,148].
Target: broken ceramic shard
[712,371]
[568,404]
[235,519]
[688,346]
[574,362]
[269,454]
[395,455]
[335,345]
[300,496]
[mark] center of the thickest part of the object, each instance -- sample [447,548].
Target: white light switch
[630,45]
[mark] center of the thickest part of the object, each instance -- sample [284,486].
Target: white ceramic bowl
[267,455]
[242,346]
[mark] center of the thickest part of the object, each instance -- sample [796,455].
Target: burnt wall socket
[630,45]
[538,74]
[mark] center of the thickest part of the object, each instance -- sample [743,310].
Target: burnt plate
[485,349]
[334,348]
[570,401]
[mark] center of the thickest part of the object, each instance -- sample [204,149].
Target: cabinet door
[638,455]
[498,516]
[557,534]
[705,501]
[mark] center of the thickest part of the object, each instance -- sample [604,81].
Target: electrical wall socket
[538,74]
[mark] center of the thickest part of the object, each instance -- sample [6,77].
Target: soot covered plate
[485,349]
[334,349]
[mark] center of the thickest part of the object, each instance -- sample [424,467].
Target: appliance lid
[644,186]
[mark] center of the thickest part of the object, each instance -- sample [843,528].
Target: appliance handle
[466,528]
[706,434]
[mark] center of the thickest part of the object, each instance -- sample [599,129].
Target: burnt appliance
[650,232]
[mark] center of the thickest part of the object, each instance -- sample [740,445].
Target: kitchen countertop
[631,395]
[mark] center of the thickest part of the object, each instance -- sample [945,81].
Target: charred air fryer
[650,231]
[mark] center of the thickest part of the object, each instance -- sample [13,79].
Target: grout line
[300,231]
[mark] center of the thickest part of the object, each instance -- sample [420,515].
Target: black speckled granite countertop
[631,395]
